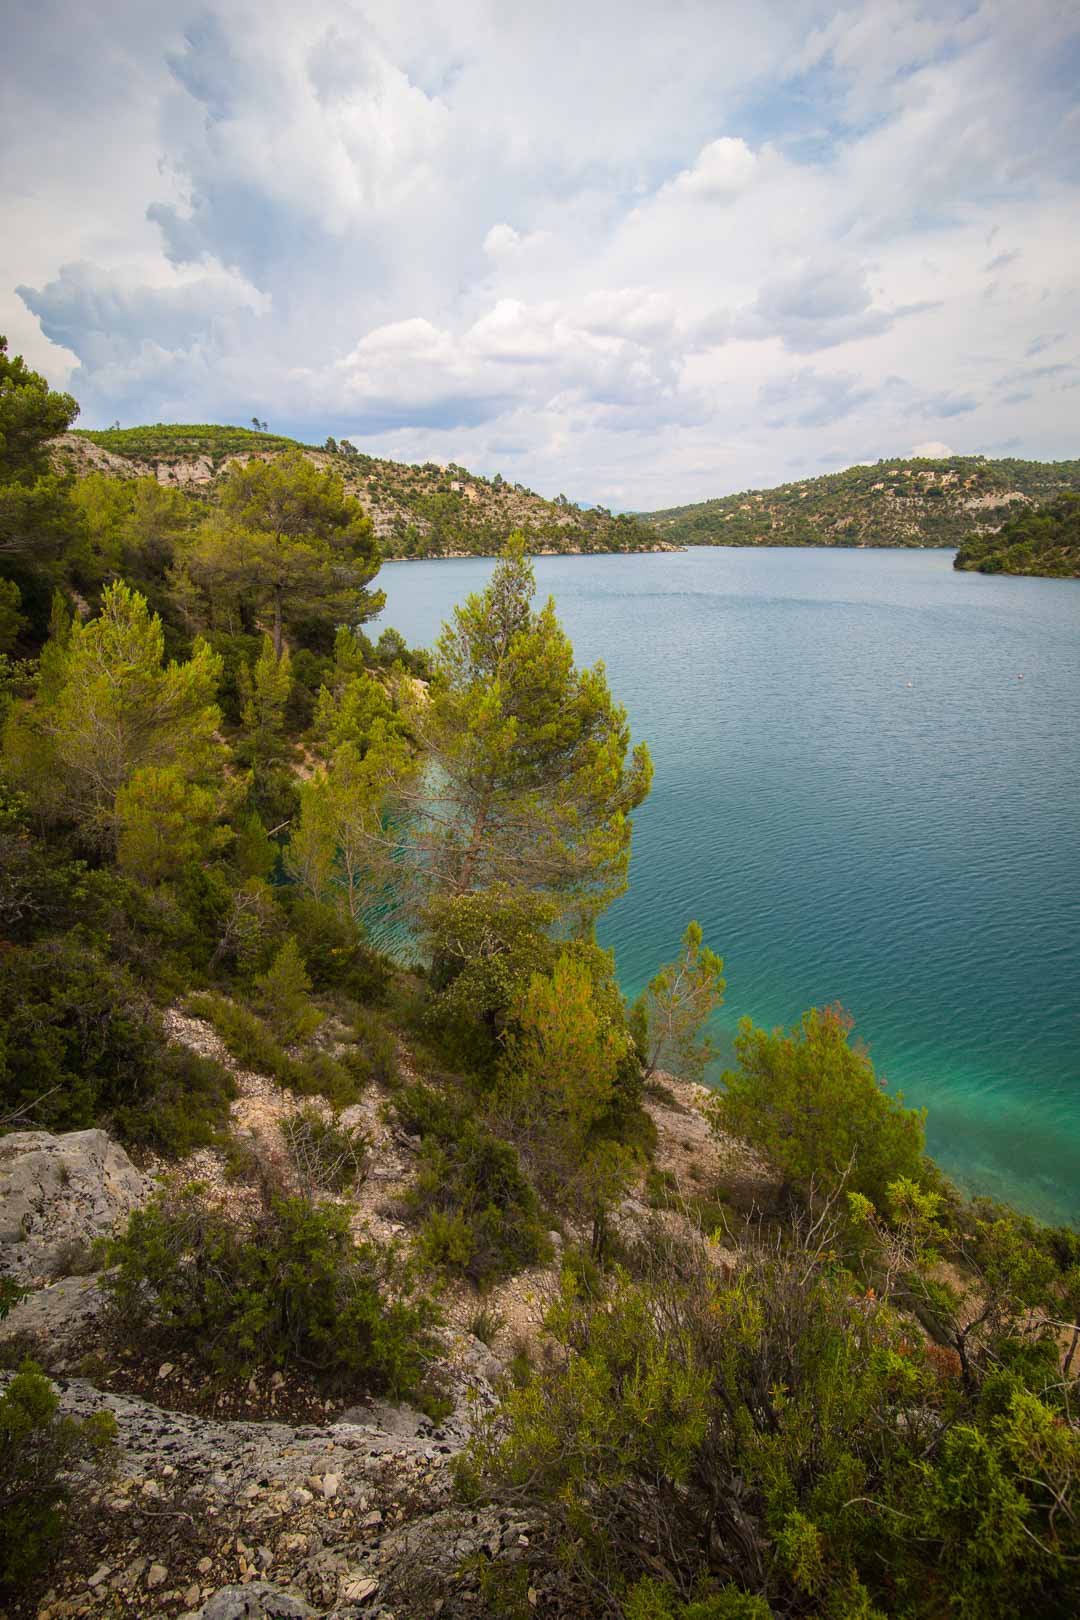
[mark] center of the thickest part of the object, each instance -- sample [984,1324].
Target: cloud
[637,255]
[933,450]
[723,169]
[811,399]
[816,307]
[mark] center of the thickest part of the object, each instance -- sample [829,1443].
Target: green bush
[335,955]
[81,1045]
[781,1440]
[480,1214]
[315,1073]
[287,1288]
[811,1101]
[38,1450]
[284,993]
[187,1107]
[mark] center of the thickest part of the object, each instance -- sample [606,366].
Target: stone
[257,1600]
[57,1195]
[99,1575]
[359,1589]
[331,1484]
[156,1575]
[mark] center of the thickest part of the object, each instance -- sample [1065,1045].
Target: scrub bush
[39,1450]
[288,1288]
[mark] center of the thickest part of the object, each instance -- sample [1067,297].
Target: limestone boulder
[57,1195]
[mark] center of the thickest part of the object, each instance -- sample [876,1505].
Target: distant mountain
[425,511]
[893,503]
[1044,541]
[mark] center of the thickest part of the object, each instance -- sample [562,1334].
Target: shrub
[187,1106]
[376,1047]
[812,1102]
[325,1155]
[314,1074]
[480,1214]
[335,955]
[288,1288]
[773,1437]
[284,993]
[79,1037]
[38,1448]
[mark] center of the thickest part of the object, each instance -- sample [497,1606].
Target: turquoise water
[860,801]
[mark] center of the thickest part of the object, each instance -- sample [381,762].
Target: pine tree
[527,784]
[676,1006]
[286,543]
[107,706]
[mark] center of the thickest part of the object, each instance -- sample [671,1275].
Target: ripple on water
[859,801]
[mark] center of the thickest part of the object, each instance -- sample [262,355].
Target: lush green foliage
[169,441]
[528,785]
[81,1045]
[920,502]
[289,1288]
[38,1447]
[1042,540]
[773,1436]
[811,1101]
[479,1214]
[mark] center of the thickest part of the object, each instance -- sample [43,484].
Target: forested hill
[1042,541]
[418,511]
[892,503]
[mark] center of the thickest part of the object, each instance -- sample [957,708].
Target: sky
[638,254]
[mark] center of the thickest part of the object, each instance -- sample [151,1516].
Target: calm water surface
[859,800]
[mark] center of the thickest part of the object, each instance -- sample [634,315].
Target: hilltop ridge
[423,510]
[896,502]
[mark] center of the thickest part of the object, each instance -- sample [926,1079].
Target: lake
[867,790]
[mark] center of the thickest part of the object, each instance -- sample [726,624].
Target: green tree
[36,517]
[107,706]
[812,1102]
[676,1006]
[528,783]
[286,542]
[562,1062]
[264,693]
[284,993]
[164,821]
[343,850]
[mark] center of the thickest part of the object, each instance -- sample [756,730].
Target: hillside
[1044,541]
[892,503]
[418,511]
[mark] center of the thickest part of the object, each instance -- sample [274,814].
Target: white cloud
[933,449]
[723,169]
[636,255]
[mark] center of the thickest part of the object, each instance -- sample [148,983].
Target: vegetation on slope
[920,502]
[858,1400]
[417,511]
[1044,541]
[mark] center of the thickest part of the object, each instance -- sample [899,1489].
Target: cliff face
[417,511]
[893,503]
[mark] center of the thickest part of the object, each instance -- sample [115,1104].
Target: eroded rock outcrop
[57,1195]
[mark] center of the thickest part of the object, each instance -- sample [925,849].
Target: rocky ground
[311,1510]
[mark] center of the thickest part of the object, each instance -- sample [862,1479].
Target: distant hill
[1043,540]
[893,503]
[424,511]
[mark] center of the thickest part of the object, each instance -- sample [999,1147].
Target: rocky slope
[418,511]
[893,503]
[287,1510]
